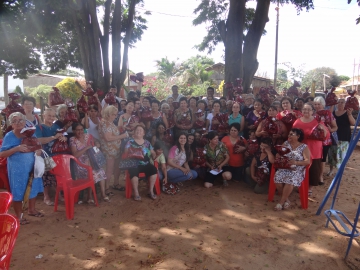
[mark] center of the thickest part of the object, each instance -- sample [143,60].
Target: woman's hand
[22,148]
[38,152]
[239,149]
[185,170]
[62,138]
[219,168]
[349,111]
[165,180]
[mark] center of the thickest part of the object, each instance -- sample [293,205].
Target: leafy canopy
[317,75]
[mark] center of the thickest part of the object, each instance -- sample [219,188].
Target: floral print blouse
[216,156]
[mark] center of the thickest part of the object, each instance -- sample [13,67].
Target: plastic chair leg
[272,186]
[157,185]
[128,185]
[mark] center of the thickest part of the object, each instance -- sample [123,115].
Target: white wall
[12,85]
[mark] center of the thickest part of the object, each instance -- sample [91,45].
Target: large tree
[317,75]
[240,49]
[71,32]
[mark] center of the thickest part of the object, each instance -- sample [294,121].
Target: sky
[326,36]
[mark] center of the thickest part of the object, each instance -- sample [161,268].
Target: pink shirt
[315,146]
[178,156]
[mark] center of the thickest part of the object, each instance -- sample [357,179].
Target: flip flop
[106,199]
[278,207]
[152,196]
[91,202]
[286,204]
[24,221]
[118,187]
[38,214]
[137,198]
[49,203]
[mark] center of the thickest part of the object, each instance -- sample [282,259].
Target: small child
[160,158]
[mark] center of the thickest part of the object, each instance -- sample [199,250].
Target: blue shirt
[235,120]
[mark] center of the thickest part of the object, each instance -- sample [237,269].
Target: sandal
[152,196]
[109,193]
[118,187]
[23,221]
[90,201]
[80,202]
[106,199]
[321,183]
[286,204]
[310,193]
[278,207]
[38,214]
[49,203]
[225,183]
[137,198]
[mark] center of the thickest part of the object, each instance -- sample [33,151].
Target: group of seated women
[179,140]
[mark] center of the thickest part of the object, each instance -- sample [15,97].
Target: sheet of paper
[215,172]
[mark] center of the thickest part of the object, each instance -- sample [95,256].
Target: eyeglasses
[17,121]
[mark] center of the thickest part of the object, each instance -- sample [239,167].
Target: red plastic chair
[128,186]
[9,229]
[5,202]
[4,179]
[70,187]
[303,189]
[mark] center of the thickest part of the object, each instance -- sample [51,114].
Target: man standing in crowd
[113,90]
[210,91]
[175,93]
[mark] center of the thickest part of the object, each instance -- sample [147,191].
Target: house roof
[49,75]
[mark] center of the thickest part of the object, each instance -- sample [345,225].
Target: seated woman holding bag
[299,157]
[140,151]
[80,145]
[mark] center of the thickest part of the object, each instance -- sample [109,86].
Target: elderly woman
[144,165]
[344,119]
[178,169]
[287,106]
[236,117]
[28,103]
[286,179]
[217,157]
[80,144]
[158,117]
[110,140]
[60,114]
[329,121]
[280,136]
[236,146]
[183,118]
[47,135]
[91,121]
[307,123]
[20,163]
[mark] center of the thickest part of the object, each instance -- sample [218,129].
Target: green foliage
[158,87]
[357,19]
[69,89]
[317,75]
[166,68]
[18,90]
[282,79]
[344,78]
[42,90]
[18,57]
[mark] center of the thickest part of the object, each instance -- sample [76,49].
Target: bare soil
[217,228]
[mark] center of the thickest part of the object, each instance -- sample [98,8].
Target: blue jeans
[176,175]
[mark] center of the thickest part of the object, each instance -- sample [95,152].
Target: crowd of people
[179,139]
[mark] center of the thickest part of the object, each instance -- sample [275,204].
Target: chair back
[9,229]
[5,201]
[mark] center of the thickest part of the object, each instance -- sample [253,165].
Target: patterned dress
[109,149]
[81,172]
[216,156]
[292,177]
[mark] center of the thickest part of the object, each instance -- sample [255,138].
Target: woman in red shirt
[307,123]
[236,146]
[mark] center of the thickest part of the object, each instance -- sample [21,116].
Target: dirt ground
[217,228]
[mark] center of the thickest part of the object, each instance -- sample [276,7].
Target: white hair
[16,114]
[321,100]
[59,108]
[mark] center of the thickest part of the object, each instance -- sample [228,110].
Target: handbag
[97,158]
[171,188]
[49,162]
[334,138]
[135,153]
[39,166]
[127,163]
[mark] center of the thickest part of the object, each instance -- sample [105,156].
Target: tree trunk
[126,41]
[116,44]
[233,40]
[104,40]
[252,41]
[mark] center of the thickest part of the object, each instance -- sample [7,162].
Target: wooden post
[6,89]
